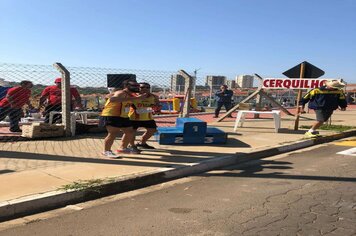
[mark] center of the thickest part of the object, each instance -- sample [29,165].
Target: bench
[240,118]
[190,131]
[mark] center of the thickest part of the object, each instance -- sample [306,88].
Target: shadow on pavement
[46,157]
[174,156]
[248,171]
[6,171]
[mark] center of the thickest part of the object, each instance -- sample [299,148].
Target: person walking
[52,96]
[223,98]
[141,115]
[13,102]
[324,100]
[114,118]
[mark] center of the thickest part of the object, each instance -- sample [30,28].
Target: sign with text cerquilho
[292,83]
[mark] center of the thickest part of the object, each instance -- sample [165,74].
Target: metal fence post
[66,98]
[187,93]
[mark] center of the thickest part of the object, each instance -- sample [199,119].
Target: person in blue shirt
[223,98]
[324,101]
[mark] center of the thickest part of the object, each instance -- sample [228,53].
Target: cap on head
[58,80]
[335,84]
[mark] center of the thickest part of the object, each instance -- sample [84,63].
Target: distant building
[177,84]
[231,84]
[215,81]
[245,81]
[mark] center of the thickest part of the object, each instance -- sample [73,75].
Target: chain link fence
[88,89]
[90,85]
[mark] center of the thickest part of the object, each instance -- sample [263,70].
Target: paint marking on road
[348,152]
[350,143]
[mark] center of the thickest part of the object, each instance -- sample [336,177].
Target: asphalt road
[309,192]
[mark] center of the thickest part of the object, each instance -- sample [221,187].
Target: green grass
[90,185]
[339,128]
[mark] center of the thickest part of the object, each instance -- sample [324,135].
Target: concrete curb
[56,199]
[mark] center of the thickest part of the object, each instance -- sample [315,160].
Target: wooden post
[296,123]
[66,98]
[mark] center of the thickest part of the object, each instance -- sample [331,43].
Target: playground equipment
[190,131]
[174,105]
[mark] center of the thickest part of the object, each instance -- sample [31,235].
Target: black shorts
[144,124]
[323,115]
[114,121]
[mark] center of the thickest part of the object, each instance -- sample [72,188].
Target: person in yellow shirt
[115,118]
[141,115]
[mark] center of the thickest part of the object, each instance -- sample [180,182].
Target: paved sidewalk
[29,168]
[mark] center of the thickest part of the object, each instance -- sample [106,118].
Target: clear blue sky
[220,36]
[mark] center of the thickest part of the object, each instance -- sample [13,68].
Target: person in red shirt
[12,104]
[53,96]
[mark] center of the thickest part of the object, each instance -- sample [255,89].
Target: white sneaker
[110,154]
[129,150]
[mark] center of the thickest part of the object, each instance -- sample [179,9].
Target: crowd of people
[15,98]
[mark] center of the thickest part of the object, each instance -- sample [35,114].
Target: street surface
[309,192]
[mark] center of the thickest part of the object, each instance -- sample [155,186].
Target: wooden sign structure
[297,116]
[258,93]
[306,71]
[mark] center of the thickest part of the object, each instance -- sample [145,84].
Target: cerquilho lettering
[281,83]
